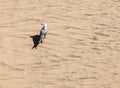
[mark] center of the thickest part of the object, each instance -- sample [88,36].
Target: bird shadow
[35,39]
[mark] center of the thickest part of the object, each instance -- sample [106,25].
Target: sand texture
[81,50]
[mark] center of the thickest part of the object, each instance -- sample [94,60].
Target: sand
[81,50]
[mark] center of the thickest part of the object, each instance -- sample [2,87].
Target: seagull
[43,32]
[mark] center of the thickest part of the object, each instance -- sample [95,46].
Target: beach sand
[81,50]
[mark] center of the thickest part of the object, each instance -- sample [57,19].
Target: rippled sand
[82,48]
